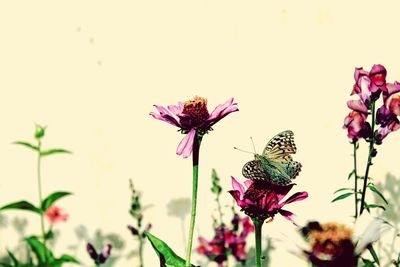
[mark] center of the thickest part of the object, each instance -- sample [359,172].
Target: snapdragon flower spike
[263,200]
[55,215]
[99,258]
[192,117]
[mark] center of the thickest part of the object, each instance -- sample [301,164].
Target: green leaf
[374,206]
[167,256]
[26,144]
[13,259]
[21,205]
[373,254]
[350,174]
[64,258]
[343,189]
[49,235]
[48,201]
[39,250]
[343,196]
[54,151]
[376,191]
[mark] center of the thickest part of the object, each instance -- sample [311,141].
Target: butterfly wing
[280,147]
[293,169]
[255,170]
[261,170]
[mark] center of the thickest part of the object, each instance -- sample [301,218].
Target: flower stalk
[355,179]
[195,155]
[258,223]
[370,156]
[39,179]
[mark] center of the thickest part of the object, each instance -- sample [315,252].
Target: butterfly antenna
[243,150]
[254,147]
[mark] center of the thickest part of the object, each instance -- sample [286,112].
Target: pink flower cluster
[369,86]
[227,241]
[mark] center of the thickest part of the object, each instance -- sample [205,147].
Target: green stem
[258,228]
[219,211]
[195,155]
[369,163]
[140,250]
[355,179]
[41,200]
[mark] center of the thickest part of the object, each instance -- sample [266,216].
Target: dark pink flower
[192,117]
[263,200]
[227,241]
[99,258]
[369,84]
[55,214]
[356,122]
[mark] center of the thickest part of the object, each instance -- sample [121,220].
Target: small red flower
[192,117]
[55,214]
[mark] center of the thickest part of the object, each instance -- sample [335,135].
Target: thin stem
[41,200]
[369,163]
[258,228]
[355,179]
[219,210]
[195,155]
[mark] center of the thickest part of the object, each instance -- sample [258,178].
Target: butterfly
[275,165]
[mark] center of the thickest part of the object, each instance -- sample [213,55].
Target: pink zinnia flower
[263,200]
[192,117]
[55,214]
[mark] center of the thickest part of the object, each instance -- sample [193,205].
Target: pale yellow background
[91,71]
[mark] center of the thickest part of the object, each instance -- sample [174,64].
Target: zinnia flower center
[265,198]
[331,240]
[196,111]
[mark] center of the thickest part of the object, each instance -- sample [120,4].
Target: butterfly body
[275,165]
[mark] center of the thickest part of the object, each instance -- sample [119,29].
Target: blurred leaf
[13,259]
[376,191]
[64,258]
[21,205]
[49,235]
[373,254]
[374,206]
[48,201]
[39,250]
[342,196]
[26,144]
[54,151]
[165,253]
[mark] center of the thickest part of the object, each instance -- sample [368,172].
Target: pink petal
[176,110]
[294,198]
[282,193]
[288,215]
[393,88]
[237,197]
[357,105]
[237,186]
[185,147]
[222,110]
[165,118]
[248,183]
